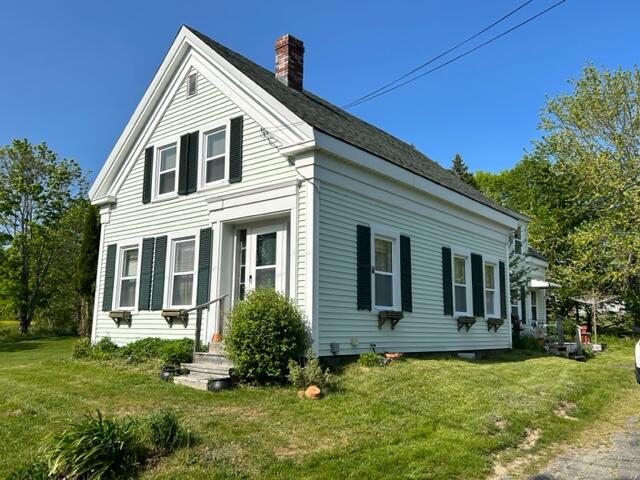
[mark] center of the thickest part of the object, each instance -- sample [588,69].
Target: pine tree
[461,170]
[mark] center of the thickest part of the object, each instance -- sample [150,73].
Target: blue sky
[73,71]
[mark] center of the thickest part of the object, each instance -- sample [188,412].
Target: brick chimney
[289,60]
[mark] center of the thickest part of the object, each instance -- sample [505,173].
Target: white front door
[266,258]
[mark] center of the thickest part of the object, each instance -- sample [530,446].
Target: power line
[437,57]
[464,54]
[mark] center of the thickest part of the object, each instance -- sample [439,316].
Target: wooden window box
[465,322]
[494,323]
[392,316]
[120,317]
[172,316]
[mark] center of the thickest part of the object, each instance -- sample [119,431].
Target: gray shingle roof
[337,123]
[532,252]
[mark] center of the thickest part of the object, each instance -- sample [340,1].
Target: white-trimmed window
[491,294]
[182,274]
[215,156]
[386,269]
[515,308]
[534,305]
[167,170]
[128,278]
[461,284]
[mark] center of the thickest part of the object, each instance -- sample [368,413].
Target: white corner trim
[99,287]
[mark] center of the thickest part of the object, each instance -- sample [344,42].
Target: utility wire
[437,57]
[380,92]
[464,54]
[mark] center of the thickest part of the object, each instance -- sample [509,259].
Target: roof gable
[189,52]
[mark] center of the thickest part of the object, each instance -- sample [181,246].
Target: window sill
[165,197]
[213,185]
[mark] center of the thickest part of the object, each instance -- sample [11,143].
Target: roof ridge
[339,123]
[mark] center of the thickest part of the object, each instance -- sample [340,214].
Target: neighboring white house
[228,177]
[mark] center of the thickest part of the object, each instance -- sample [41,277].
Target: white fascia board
[398,174]
[186,50]
[537,262]
[106,200]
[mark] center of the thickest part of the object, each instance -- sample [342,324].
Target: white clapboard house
[229,177]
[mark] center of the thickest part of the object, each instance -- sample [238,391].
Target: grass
[419,418]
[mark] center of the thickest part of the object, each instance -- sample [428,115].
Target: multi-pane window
[460,286]
[183,272]
[515,308]
[490,294]
[128,277]
[266,251]
[167,170]
[242,264]
[383,272]
[534,305]
[215,154]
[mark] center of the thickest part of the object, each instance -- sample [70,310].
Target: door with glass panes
[261,259]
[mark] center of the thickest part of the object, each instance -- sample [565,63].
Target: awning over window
[535,283]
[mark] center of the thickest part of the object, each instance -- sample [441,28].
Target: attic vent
[192,84]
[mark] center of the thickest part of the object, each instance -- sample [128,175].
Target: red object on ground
[585,336]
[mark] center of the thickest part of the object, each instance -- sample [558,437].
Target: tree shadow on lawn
[28,344]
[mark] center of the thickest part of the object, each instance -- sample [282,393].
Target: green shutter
[204,266]
[235,150]
[477,285]
[405,274]
[503,290]
[146,267]
[447,281]
[192,163]
[109,277]
[183,165]
[364,267]
[148,175]
[523,304]
[160,255]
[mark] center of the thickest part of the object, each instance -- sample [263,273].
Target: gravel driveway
[616,459]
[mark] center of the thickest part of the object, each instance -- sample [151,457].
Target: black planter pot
[167,373]
[219,384]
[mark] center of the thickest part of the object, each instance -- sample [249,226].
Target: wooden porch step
[211,358]
[208,368]
[199,381]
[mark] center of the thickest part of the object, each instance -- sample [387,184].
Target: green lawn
[419,418]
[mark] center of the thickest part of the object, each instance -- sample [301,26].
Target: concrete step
[216,348]
[199,381]
[208,368]
[212,358]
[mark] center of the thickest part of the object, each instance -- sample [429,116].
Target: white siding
[427,328]
[262,165]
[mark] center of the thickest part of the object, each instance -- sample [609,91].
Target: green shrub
[141,350]
[370,359]
[105,349]
[266,330]
[97,448]
[172,352]
[35,470]
[527,343]
[175,352]
[81,348]
[310,374]
[164,433]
